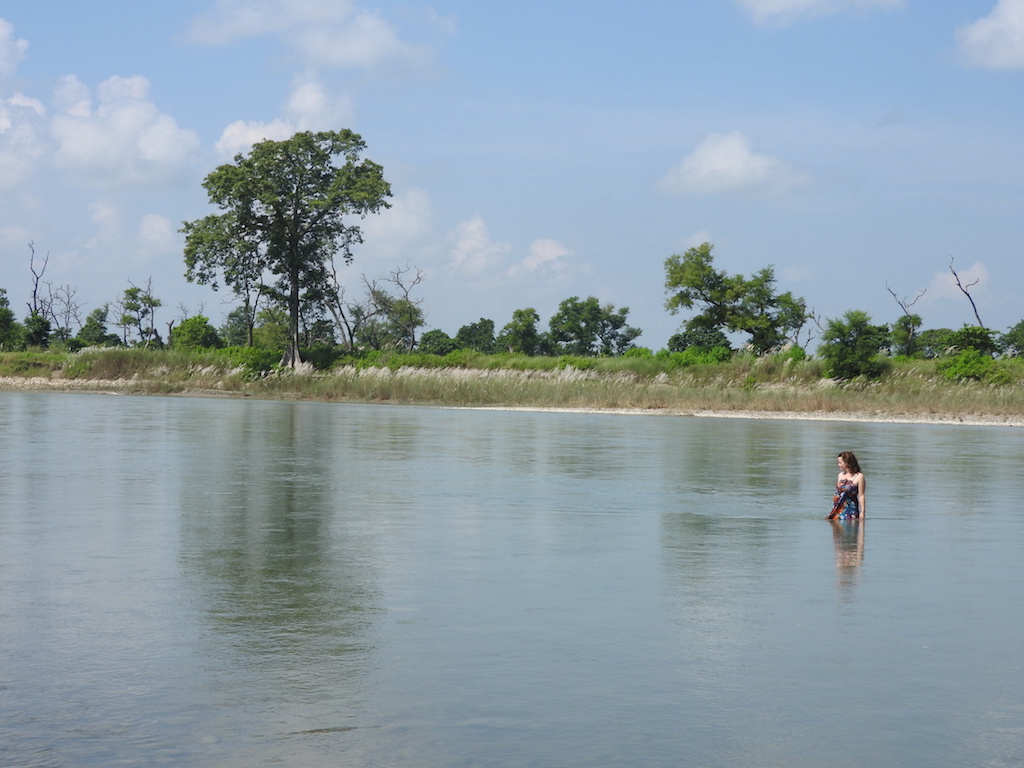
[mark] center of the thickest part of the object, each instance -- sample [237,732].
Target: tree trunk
[291,357]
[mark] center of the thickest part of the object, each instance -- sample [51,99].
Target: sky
[537,150]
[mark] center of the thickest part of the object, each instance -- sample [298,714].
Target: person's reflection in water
[848,538]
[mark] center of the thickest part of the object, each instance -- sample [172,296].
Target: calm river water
[190,582]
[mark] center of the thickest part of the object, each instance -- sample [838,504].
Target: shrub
[638,352]
[850,346]
[974,337]
[195,333]
[252,359]
[436,342]
[969,364]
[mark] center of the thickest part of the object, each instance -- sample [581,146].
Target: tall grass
[745,383]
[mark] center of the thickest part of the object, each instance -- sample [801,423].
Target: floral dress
[846,500]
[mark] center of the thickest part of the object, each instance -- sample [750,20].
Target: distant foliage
[694,356]
[1011,343]
[195,333]
[904,336]
[850,346]
[732,302]
[702,338]
[478,336]
[11,332]
[974,337]
[436,342]
[935,342]
[586,327]
[252,360]
[521,335]
[969,364]
[37,331]
[94,331]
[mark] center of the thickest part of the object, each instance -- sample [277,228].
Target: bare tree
[64,308]
[38,305]
[387,314]
[965,292]
[335,301]
[403,311]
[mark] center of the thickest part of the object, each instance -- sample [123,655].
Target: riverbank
[818,409]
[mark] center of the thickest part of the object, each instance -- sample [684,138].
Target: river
[206,582]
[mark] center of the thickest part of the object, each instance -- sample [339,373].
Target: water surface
[241,583]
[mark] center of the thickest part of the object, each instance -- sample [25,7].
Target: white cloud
[943,284]
[785,11]
[107,220]
[157,234]
[311,108]
[12,50]
[474,251]
[22,139]
[333,34]
[408,220]
[308,108]
[122,138]
[996,41]
[544,252]
[241,135]
[724,163]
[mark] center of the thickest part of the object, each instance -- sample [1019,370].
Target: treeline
[284,219]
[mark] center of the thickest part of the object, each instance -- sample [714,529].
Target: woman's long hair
[852,466]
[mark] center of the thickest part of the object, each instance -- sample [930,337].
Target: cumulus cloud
[474,251]
[544,253]
[308,108]
[240,135]
[786,11]
[157,234]
[409,220]
[943,284]
[120,136]
[22,139]
[12,50]
[107,220]
[725,163]
[996,41]
[334,34]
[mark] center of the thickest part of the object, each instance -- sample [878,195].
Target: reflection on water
[238,583]
[848,537]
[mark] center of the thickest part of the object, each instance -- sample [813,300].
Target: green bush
[577,362]
[850,346]
[252,359]
[969,364]
[638,352]
[195,333]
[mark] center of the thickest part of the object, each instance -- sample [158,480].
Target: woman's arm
[862,495]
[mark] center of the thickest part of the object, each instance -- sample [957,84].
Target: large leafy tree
[285,210]
[478,336]
[588,328]
[521,334]
[732,302]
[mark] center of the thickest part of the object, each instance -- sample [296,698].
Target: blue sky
[538,151]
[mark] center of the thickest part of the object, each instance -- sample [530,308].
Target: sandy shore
[123,386]
[952,420]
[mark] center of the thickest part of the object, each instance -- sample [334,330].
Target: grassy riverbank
[910,389]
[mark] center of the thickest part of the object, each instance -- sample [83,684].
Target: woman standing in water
[848,502]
